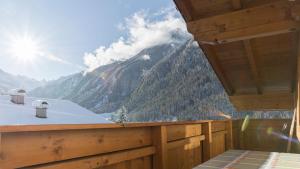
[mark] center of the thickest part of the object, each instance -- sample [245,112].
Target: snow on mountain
[9,81]
[164,82]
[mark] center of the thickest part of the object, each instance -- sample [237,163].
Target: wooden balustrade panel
[218,126]
[169,146]
[135,157]
[185,153]
[218,137]
[30,148]
[140,163]
[218,143]
[184,146]
[264,135]
[176,132]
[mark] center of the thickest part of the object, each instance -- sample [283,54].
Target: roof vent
[41,107]
[17,96]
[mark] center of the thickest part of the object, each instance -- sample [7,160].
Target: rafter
[244,24]
[213,59]
[253,65]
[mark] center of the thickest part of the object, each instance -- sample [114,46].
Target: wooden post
[160,142]
[288,150]
[241,136]
[229,143]
[0,143]
[207,143]
[297,93]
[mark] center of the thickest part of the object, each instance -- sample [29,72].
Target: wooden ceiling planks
[252,45]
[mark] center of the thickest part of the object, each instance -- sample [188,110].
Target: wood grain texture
[252,47]
[160,142]
[30,148]
[176,132]
[234,26]
[149,146]
[280,101]
[265,135]
[102,160]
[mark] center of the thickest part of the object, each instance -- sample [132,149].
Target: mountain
[166,82]
[9,81]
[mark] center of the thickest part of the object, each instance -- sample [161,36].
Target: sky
[46,39]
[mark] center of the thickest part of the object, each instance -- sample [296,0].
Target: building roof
[252,46]
[59,112]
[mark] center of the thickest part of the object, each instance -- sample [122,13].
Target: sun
[24,48]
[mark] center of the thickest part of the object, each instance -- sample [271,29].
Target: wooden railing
[180,145]
[264,135]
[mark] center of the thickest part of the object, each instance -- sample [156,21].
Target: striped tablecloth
[240,159]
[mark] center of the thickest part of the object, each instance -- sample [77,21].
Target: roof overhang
[252,46]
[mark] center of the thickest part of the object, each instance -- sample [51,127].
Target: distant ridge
[9,81]
[174,82]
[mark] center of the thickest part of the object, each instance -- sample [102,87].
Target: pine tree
[123,115]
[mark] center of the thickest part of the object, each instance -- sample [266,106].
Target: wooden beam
[288,150]
[298,92]
[253,66]
[181,142]
[99,161]
[274,101]
[178,132]
[211,55]
[265,20]
[207,143]
[48,146]
[160,141]
[229,139]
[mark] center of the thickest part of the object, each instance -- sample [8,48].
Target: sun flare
[25,48]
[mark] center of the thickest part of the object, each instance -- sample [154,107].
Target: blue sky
[76,35]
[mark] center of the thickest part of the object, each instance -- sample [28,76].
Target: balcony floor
[242,159]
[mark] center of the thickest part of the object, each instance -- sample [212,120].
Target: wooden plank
[160,142]
[218,143]
[57,127]
[185,153]
[272,101]
[177,132]
[218,126]
[212,57]
[1,153]
[265,135]
[298,92]
[253,65]
[229,135]
[100,160]
[244,24]
[44,147]
[288,149]
[177,143]
[207,144]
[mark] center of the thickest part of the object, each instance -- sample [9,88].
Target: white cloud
[143,31]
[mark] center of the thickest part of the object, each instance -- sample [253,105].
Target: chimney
[41,107]
[17,96]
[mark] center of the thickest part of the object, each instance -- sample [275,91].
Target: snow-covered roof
[59,112]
